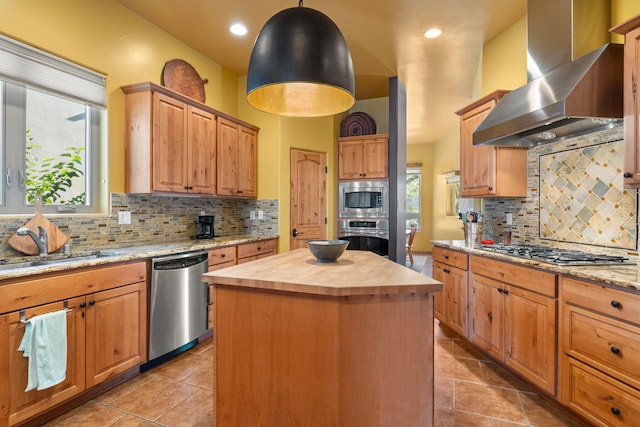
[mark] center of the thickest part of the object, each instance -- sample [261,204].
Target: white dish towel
[45,344]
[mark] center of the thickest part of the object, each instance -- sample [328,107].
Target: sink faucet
[41,240]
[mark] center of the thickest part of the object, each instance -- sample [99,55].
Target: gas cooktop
[556,256]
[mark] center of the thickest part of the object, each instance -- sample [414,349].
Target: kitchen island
[299,342]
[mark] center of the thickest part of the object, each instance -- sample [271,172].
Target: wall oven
[363,199]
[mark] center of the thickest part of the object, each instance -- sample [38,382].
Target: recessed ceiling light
[433,33]
[238,29]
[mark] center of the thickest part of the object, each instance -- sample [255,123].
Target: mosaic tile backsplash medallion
[580,204]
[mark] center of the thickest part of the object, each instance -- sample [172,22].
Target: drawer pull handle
[615,411]
[615,304]
[490,315]
[223,255]
[615,350]
[446,270]
[446,257]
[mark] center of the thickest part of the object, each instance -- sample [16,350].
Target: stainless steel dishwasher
[177,303]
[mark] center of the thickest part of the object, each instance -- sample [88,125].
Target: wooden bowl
[327,250]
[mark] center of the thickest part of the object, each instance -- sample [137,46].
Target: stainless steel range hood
[564,97]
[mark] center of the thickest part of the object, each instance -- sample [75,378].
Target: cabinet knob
[501,290]
[506,291]
[92,302]
[616,304]
[615,411]
[615,350]
[223,255]
[627,175]
[83,305]
[446,270]
[490,315]
[446,257]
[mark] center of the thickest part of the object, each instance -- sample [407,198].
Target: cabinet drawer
[450,257]
[600,398]
[611,302]
[607,344]
[257,248]
[528,278]
[225,256]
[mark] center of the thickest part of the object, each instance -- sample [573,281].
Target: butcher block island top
[299,342]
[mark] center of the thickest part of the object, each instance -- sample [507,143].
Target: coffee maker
[204,227]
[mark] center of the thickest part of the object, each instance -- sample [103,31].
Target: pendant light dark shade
[300,66]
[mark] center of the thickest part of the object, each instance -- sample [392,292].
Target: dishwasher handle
[176,264]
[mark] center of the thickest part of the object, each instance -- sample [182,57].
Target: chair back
[412,234]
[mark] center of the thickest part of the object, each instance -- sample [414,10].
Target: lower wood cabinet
[106,332]
[600,352]
[513,317]
[451,305]
[256,250]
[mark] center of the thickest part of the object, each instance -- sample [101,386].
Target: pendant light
[300,66]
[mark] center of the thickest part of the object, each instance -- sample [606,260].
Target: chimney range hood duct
[563,98]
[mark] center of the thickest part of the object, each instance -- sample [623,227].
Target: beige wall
[423,153]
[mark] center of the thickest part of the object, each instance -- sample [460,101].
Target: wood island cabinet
[487,171]
[106,332]
[600,352]
[237,160]
[450,306]
[513,311]
[174,144]
[363,157]
[631,104]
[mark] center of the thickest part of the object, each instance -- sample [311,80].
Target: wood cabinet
[487,171]
[631,104]
[106,332]
[237,160]
[450,306]
[363,157]
[256,250]
[174,144]
[600,352]
[513,317]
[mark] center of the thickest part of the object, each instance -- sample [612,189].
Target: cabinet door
[376,157]
[227,166]
[247,180]
[487,308]
[477,163]
[439,297]
[350,160]
[632,109]
[202,151]
[456,304]
[23,405]
[170,144]
[116,331]
[530,332]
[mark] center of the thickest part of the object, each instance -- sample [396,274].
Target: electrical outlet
[509,218]
[124,217]
[260,214]
[202,213]
[252,214]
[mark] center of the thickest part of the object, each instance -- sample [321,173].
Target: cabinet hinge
[325,220]
[326,169]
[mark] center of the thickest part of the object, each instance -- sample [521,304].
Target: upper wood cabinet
[174,144]
[487,171]
[237,159]
[631,30]
[363,157]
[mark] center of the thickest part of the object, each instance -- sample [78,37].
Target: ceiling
[385,38]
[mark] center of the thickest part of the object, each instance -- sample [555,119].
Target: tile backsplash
[575,197]
[153,219]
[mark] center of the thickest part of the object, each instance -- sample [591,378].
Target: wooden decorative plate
[356,124]
[178,75]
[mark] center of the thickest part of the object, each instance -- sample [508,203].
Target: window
[52,115]
[414,195]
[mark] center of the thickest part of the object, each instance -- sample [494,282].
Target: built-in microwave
[363,199]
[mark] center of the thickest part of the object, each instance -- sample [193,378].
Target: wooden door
[202,151]
[487,309]
[530,336]
[376,157]
[440,297]
[308,197]
[456,304]
[116,331]
[247,180]
[170,144]
[227,155]
[23,405]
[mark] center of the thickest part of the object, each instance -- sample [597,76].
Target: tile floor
[470,390]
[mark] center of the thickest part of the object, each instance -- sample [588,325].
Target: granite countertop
[623,275]
[354,273]
[59,262]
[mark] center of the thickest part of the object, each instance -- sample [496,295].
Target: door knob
[295,233]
